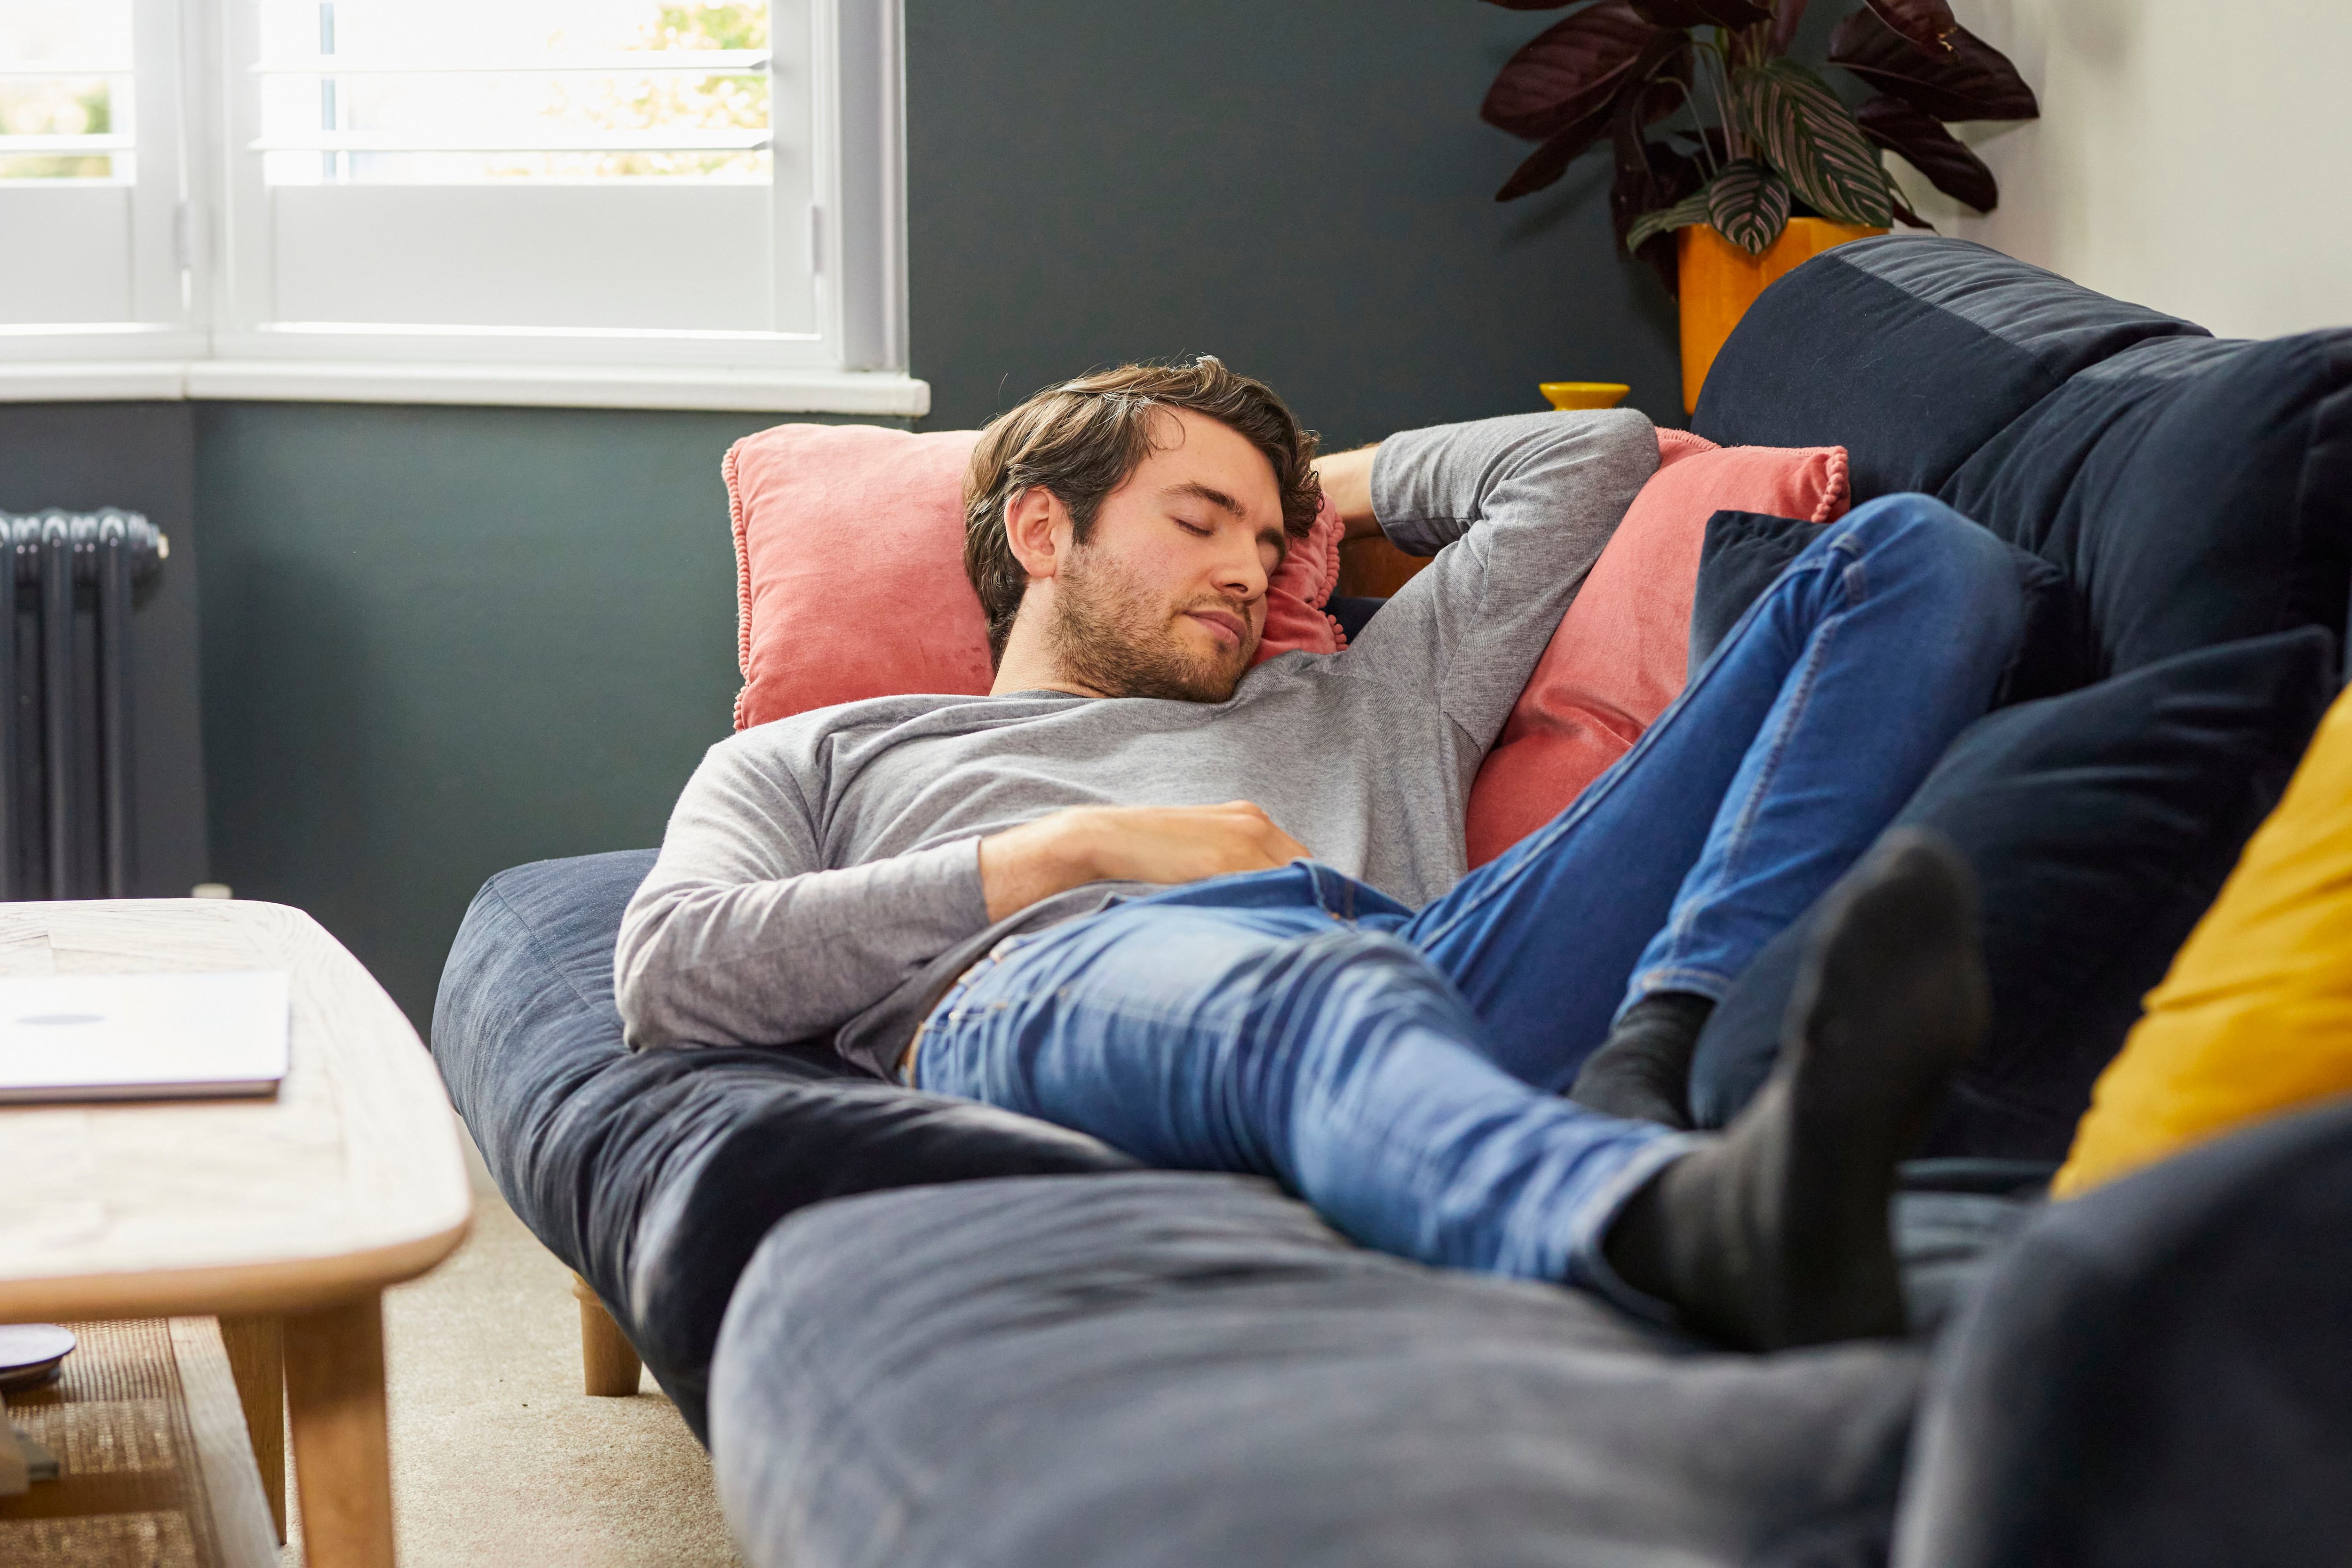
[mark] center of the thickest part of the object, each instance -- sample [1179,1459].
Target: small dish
[1571,394]
[30,1353]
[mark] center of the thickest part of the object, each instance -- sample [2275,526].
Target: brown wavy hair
[1081,440]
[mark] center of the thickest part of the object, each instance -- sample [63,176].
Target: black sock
[1641,1071]
[1775,1234]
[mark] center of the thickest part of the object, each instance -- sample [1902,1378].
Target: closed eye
[1194,528]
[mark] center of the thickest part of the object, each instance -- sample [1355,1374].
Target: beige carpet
[497,1457]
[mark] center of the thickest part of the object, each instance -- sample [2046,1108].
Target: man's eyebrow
[1199,492]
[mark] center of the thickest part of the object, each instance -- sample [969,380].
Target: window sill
[880,393]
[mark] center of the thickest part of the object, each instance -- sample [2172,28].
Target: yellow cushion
[2255,1017]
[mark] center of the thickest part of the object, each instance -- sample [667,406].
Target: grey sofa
[916,1331]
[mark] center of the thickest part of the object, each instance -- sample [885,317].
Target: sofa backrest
[2194,491]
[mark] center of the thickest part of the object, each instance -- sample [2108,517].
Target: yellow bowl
[1565,394]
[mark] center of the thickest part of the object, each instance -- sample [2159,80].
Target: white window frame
[204,233]
[162,325]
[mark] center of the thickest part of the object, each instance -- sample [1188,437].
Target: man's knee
[1936,550]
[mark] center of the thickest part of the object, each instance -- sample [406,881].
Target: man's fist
[1168,844]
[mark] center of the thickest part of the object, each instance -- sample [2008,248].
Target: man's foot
[1775,1234]
[1641,1072]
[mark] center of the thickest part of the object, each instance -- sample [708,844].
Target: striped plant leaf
[1797,125]
[1748,205]
[1691,209]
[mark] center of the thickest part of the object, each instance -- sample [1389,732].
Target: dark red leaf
[1647,91]
[1655,86]
[1568,72]
[1548,162]
[1785,23]
[1975,83]
[1935,151]
[1704,13]
[1659,75]
[1650,175]
[1927,26]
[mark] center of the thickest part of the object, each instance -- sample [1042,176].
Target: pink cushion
[1619,657]
[849,570]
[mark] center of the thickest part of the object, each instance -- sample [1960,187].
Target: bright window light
[678,185]
[65,75]
[437,93]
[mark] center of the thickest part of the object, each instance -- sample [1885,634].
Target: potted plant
[1735,161]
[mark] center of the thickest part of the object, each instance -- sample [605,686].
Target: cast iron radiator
[65,801]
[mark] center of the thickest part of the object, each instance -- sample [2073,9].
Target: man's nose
[1241,572]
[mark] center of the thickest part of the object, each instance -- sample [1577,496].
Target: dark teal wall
[441,641]
[1301,186]
[437,642]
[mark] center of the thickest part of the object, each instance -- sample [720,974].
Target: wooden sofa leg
[608,1362]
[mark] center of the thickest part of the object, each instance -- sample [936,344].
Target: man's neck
[1029,665]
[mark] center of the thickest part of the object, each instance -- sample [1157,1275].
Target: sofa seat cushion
[654,1174]
[1181,1369]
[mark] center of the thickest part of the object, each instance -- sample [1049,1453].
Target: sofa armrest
[653,1174]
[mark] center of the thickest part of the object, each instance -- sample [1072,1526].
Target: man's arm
[1347,479]
[1164,844]
[742,936]
[1517,510]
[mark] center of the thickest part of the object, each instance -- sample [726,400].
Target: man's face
[1167,597]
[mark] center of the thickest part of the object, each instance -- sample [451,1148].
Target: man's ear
[1037,526]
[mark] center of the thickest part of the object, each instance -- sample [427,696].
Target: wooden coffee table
[284,1218]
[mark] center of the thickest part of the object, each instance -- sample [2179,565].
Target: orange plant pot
[1719,281]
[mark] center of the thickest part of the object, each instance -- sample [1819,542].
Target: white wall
[2191,156]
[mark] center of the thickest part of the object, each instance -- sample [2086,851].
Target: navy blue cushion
[1741,555]
[2100,825]
[1744,550]
[1353,614]
[2153,1375]
[2195,491]
[653,1174]
[1910,353]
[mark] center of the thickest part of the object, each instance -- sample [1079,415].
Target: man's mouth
[1228,628]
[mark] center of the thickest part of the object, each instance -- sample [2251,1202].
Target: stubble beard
[1108,636]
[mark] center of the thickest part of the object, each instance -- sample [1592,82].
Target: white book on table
[141,1036]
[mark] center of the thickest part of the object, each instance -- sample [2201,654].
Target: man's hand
[1170,844]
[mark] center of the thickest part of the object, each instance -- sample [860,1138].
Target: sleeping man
[1218,916]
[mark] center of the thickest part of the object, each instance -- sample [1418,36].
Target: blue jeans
[1398,1069]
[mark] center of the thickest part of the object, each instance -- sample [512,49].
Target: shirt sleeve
[1516,512]
[742,936]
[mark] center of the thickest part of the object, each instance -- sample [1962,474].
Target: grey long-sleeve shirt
[821,874]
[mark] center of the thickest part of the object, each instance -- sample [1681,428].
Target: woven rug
[154,1468]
